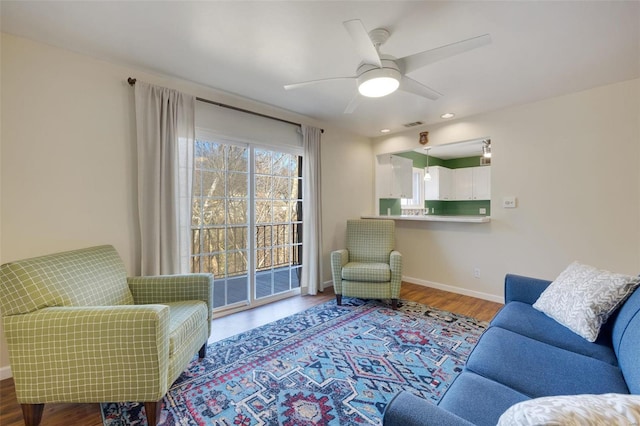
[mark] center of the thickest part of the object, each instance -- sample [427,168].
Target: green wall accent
[390,203]
[458,208]
[459,163]
[420,160]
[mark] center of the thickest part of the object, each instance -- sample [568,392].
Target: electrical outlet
[476,272]
[483,210]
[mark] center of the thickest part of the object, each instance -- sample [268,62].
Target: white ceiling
[539,49]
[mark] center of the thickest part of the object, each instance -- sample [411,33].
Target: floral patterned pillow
[575,410]
[582,298]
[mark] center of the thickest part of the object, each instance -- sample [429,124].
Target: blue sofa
[525,354]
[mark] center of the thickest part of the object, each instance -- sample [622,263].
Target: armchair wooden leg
[394,304]
[339,299]
[203,351]
[32,414]
[153,409]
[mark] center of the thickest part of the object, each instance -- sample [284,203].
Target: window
[246,220]
[417,201]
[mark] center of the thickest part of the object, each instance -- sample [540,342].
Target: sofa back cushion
[93,276]
[370,240]
[626,341]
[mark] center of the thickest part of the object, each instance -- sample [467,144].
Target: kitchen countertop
[435,218]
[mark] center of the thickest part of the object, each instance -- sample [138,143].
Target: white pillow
[575,410]
[583,297]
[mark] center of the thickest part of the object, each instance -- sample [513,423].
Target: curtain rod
[132,82]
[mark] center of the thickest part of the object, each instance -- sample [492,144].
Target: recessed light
[447,115]
[385,130]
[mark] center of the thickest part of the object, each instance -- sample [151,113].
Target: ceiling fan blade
[309,83]
[419,60]
[364,45]
[353,104]
[410,85]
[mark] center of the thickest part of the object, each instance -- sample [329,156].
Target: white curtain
[165,135]
[312,211]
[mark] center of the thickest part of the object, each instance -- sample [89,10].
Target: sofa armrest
[89,354]
[518,288]
[406,409]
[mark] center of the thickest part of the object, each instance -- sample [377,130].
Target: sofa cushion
[93,276]
[523,319]
[185,318]
[537,369]
[372,272]
[407,409]
[582,298]
[575,410]
[479,400]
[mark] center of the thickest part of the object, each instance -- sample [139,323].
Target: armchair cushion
[373,272]
[186,318]
[165,289]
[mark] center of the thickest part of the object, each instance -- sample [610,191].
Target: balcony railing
[223,250]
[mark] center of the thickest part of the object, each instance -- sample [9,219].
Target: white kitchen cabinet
[472,183]
[463,184]
[440,186]
[482,183]
[394,176]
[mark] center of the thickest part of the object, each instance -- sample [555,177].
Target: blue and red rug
[329,365]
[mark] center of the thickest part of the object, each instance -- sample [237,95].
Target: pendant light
[427,175]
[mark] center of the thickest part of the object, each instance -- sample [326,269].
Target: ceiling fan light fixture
[378,82]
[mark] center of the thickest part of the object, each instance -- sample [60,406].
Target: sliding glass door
[246,221]
[278,222]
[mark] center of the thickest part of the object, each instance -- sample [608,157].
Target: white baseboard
[5,372]
[457,290]
[449,288]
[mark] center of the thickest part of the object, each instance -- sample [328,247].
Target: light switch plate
[509,202]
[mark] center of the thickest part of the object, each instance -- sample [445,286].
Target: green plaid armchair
[78,330]
[369,268]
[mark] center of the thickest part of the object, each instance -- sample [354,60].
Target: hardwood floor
[89,414]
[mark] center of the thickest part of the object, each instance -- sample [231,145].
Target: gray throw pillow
[583,297]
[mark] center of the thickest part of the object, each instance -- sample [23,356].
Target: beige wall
[68,156]
[573,164]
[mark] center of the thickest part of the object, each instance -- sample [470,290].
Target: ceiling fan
[380,74]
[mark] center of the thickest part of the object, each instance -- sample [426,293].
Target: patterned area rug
[329,365]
